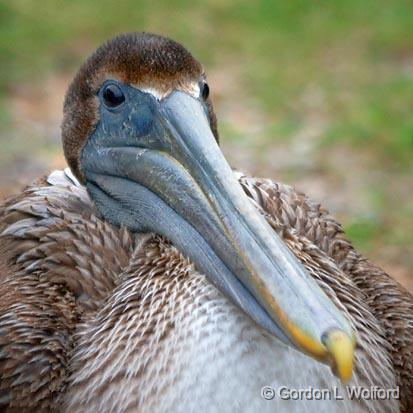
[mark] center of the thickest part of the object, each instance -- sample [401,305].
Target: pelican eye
[205,91]
[113,96]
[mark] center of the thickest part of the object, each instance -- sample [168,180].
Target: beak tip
[340,348]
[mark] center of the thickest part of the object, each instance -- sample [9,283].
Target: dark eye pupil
[113,96]
[205,91]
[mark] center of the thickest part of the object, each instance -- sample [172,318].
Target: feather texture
[95,318]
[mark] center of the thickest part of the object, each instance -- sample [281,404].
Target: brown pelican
[150,277]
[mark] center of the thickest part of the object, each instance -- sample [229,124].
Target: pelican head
[140,132]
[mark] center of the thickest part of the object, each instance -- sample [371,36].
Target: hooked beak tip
[340,348]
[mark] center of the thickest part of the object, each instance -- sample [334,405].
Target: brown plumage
[76,291]
[59,269]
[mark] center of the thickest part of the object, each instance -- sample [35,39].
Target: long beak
[177,183]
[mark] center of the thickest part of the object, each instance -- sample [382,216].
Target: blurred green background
[318,94]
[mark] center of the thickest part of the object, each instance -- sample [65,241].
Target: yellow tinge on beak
[336,347]
[341,349]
